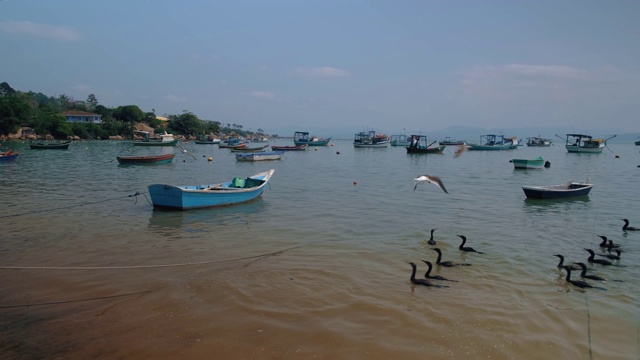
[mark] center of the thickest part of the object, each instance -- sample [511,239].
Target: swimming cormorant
[446,263]
[418,281]
[436,277]
[583,274]
[578,283]
[611,256]
[430,179]
[466,248]
[596,261]
[431,241]
[626,226]
[560,264]
[605,240]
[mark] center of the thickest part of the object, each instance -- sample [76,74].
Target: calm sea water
[318,266]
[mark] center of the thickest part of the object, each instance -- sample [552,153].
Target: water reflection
[556,205]
[170,222]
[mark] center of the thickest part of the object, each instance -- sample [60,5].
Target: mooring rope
[72,206]
[143,266]
[75,301]
[586,301]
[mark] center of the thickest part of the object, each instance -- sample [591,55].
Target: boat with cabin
[166,139]
[418,145]
[582,143]
[400,140]
[538,141]
[369,139]
[303,138]
[491,142]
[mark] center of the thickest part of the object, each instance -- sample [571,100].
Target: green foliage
[14,108]
[128,113]
[186,123]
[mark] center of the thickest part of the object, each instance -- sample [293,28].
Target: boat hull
[204,196]
[586,150]
[259,156]
[431,150]
[207,142]
[10,157]
[374,146]
[50,146]
[528,163]
[150,159]
[155,143]
[506,146]
[289,148]
[572,189]
[323,142]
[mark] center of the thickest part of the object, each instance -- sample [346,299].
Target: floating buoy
[210,158]
[331,144]
[204,155]
[355,183]
[338,152]
[617,156]
[316,149]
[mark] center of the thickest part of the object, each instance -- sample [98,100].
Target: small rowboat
[259,156]
[529,163]
[8,156]
[246,149]
[148,159]
[570,189]
[185,197]
[57,145]
[289,148]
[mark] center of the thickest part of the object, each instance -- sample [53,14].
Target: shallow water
[316,267]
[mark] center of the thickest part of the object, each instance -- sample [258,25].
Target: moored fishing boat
[165,139]
[248,149]
[418,145]
[146,159]
[259,156]
[185,197]
[289,148]
[400,140]
[582,143]
[491,142]
[570,189]
[370,140]
[538,141]
[52,145]
[303,138]
[448,141]
[537,163]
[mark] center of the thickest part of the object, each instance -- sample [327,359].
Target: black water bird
[432,179]
[626,226]
[611,256]
[446,263]
[583,273]
[466,248]
[435,277]
[578,283]
[418,281]
[431,241]
[605,242]
[561,263]
[597,261]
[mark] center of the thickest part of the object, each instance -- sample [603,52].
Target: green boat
[537,163]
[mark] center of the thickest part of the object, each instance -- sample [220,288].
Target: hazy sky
[383,65]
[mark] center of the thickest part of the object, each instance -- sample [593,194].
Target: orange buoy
[210,158]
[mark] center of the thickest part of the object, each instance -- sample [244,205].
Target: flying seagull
[430,179]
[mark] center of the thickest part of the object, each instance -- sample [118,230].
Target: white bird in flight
[430,179]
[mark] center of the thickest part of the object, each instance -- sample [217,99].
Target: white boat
[259,156]
[371,140]
[538,141]
[581,143]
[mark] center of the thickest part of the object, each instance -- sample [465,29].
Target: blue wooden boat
[186,197]
[570,189]
[491,142]
[8,156]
